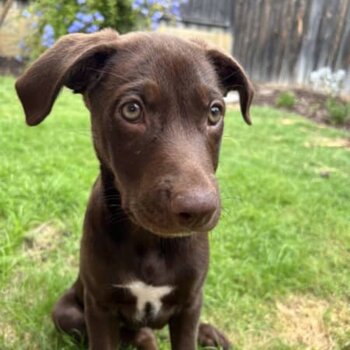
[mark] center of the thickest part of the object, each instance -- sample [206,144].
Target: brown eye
[131,111]
[215,114]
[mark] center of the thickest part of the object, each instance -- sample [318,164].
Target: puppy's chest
[148,303]
[150,291]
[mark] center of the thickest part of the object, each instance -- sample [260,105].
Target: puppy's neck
[111,195]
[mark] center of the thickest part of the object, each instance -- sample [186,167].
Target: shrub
[338,111]
[286,99]
[54,18]
[150,12]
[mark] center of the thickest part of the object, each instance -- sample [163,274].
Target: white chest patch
[147,295]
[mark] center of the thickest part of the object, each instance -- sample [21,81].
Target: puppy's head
[157,111]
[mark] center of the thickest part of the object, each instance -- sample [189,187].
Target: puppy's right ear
[76,61]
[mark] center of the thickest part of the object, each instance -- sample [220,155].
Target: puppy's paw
[209,336]
[146,340]
[142,339]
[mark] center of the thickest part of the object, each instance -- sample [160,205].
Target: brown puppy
[157,108]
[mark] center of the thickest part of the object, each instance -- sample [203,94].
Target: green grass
[280,252]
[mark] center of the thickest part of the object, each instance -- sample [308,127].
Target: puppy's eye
[215,113]
[131,111]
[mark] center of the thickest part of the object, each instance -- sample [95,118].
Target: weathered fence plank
[211,13]
[285,40]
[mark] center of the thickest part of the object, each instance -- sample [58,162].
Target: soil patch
[41,240]
[312,323]
[329,142]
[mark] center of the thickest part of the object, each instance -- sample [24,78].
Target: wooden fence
[285,40]
[208,13]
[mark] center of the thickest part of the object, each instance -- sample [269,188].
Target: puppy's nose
[194,209]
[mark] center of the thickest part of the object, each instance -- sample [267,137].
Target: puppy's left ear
[233,77]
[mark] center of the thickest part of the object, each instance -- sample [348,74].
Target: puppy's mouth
[162,225]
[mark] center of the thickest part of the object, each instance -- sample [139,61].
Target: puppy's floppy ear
[75,61]
[232,77]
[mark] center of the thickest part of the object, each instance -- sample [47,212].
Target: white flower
[326,80]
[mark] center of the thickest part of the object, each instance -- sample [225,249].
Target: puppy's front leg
[184,327]
[102,326]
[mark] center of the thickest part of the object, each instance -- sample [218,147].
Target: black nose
[195,208]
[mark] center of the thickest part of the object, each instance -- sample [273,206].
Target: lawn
[280,257]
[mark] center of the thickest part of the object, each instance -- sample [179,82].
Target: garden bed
[10,66]
[312,104]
